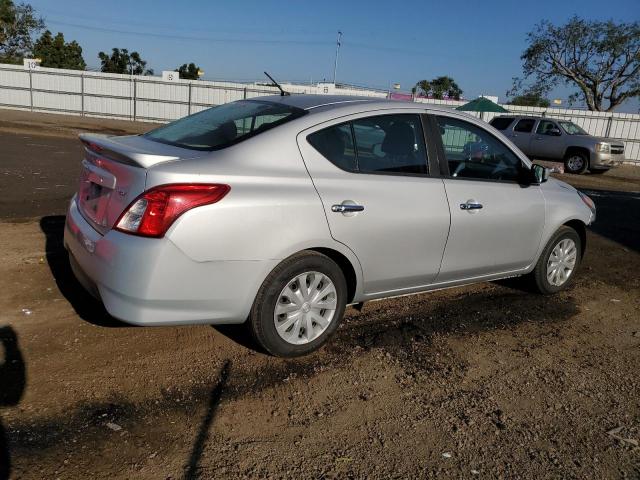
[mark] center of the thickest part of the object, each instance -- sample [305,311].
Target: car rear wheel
[559,262]
[576,162]
[299,305]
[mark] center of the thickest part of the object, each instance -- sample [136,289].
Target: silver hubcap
[561,262]
[576,162]
[305,308]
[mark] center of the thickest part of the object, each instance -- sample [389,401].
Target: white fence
[152,99]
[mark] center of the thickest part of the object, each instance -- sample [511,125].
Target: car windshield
[225,125]
[572,129]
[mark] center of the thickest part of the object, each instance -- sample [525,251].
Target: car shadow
[13,380]
[86,306]
[239,334]
[193,465]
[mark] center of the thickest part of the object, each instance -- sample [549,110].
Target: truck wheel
[576,162]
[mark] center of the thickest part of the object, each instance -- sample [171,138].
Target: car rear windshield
[501,123]
[225,125]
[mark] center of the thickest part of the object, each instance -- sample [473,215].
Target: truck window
[525,125]
[501,123]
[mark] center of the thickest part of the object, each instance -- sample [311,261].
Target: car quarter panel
[271,212]
[147,281]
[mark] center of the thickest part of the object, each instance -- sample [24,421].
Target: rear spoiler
[109,147]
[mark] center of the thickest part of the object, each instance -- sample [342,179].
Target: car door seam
[324,210]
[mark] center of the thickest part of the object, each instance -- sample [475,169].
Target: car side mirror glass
[554,132]
[539,173]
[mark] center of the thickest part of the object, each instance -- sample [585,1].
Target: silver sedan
[280,211]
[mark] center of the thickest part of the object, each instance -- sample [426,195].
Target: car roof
[515,115]
[533,117]
[323,103]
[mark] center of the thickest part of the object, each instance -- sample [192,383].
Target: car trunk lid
[114,173]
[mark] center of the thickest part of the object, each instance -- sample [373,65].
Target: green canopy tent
[482,104]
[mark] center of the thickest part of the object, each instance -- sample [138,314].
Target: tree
[17,25]
[56,53]
[189,72]
[445,87]
[439,88]
[601,59]
[121,61]
[423,86]
[530,98]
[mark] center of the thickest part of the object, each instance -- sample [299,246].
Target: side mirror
[539,173]
[554,132]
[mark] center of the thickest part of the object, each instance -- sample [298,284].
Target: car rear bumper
[145,281]
[606,160]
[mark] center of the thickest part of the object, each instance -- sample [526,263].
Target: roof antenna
[282,92]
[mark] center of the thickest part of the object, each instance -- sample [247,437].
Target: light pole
[335,64]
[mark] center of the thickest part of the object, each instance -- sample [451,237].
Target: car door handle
[470,206]
[344,208]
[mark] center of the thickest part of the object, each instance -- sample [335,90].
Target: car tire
[543,279]
[300,325]
[576,162]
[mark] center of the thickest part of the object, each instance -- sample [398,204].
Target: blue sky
[476,42]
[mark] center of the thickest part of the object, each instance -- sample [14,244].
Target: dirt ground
[484,381]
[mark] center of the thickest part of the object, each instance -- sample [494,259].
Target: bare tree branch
[602,59]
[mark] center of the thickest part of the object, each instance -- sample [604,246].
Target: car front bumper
[607,160]
[148,281]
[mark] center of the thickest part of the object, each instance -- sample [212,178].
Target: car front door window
[472,152]
[545,127]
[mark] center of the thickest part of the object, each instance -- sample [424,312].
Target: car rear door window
[501,123]
[472,152]
[380,144]
[525,125]
[336,145]
[390,143]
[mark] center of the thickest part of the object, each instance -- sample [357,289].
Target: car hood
[589,139]
[612,141]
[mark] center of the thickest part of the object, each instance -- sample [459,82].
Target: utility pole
[335,65]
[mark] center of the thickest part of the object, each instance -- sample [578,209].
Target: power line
[191,37]
[377,48]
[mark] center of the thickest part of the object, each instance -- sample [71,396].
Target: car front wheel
[559,262]
[576,162]
[299,305]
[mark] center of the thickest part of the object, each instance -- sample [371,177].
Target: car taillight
[154,211]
